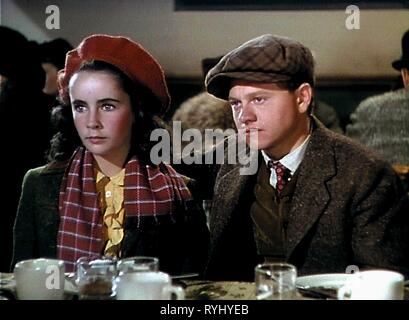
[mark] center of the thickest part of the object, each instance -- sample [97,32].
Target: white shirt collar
[291,161]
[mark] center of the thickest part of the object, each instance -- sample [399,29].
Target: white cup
[373,285]
[40,279]
[149,285]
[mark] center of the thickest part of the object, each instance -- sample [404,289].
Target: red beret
[125,54]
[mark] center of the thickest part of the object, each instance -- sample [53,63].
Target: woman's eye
[108,107]
[79,108]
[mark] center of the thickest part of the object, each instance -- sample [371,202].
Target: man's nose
[247,114]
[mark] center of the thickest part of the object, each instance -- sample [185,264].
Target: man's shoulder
[347,150]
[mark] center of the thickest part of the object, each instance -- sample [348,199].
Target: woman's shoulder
[50,169]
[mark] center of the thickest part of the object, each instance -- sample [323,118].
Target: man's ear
[405,76]
[304,96]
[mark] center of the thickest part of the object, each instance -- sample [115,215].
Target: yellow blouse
[111,194]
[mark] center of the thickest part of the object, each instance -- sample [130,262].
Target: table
[218,290]
[228,290]
[194,289]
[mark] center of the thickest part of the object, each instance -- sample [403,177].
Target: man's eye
[258,100]
[234,104]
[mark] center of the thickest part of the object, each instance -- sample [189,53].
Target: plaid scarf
[149,191]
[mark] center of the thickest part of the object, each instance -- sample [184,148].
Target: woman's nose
[93,121]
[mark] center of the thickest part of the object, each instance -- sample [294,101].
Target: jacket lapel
[228,192]
[311,195]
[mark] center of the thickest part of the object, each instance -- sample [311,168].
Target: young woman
[100,193]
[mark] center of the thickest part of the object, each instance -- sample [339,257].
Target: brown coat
[348,208]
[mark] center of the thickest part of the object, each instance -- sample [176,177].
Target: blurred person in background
[381,122]
[23,104]
[52,60]
[204,111]
[327,115]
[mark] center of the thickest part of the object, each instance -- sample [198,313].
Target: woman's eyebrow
[108,100]
[103,100]
[78,101]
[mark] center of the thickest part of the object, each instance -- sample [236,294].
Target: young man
[318,200]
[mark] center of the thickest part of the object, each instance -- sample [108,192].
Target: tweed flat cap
[125,54]
[267,58]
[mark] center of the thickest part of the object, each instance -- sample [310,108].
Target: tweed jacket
[381,122]
[181,246]
[348,209]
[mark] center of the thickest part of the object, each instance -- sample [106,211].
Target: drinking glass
[138,264]
[275,281]
[96,278]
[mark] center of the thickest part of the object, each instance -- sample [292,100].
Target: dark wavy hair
[66,139]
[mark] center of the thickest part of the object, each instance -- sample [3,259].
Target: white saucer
[327,280]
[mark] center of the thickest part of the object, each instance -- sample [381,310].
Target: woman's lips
[96,140]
